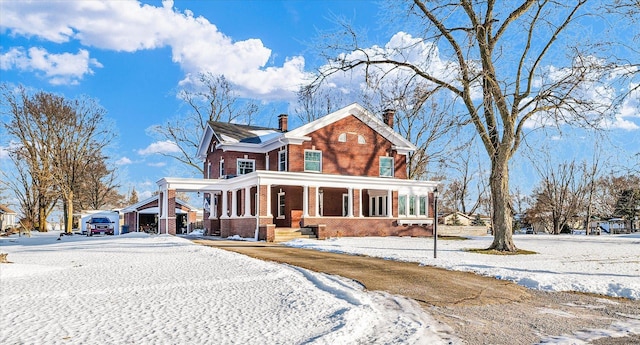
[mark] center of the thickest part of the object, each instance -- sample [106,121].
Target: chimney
[387,117]
[282,122]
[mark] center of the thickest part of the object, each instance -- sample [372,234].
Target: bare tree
[20,183]
[560,196]
[312,104]
[215,100]
[27,125]
[505,64]
[98,186]
[59,139]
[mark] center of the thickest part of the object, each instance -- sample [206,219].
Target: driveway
[479,310]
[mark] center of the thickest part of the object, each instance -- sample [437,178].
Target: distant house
[8,218]
[344,174]
[143,216]
[456,218]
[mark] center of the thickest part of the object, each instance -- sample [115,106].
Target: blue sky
[134,56]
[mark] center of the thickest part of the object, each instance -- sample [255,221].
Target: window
[281,207]
[342,138]
[386,166]
[412,205]
[402,205]
[361,139]
[423,206]
[282,160]
[378,205]
[222,168]
[345,205]
[208,169]
[245,166]
[312,160]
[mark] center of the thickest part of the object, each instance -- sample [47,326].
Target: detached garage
[143,216]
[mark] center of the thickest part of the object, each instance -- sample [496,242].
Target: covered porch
[255,204]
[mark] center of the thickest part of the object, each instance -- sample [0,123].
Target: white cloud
[620,123]
[196,44]
[166,146]
[4,153]
[123,161]
[157,164]
[65,68]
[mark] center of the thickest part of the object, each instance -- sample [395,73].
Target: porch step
[288,234]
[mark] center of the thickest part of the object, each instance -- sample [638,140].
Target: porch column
[305,201]
[225,204]
[234,203]
[350,204]
[360,203]
[247,201]
[269,214]
[389,203]
[317,203]
[213,207]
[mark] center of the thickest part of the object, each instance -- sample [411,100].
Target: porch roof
[263,177]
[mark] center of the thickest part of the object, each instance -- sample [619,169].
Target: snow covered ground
[140,289]
[137,288]
[607,264]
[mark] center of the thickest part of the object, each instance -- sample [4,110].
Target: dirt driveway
[480,310]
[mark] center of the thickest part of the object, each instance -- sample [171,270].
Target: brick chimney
[282,122]
[387,117]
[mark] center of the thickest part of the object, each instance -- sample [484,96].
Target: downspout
[255,236]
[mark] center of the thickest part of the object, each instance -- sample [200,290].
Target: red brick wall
[273,159]
[293,195]
[350,157]
[230,162]
[362,227]
[332,201]
[243,227]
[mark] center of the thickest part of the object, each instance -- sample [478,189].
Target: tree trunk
[68,219]
[42,216]
[502,217]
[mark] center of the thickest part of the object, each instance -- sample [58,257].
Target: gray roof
[241,133]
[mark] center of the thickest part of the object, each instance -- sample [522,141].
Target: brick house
[344,174]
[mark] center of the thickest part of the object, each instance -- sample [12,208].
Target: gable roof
[136,206]
[6,210]
[229,133]
[401,144]
[235,137]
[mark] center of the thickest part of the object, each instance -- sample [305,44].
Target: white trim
[281,214]
[263,177]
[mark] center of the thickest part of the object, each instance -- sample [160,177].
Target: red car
[100,225]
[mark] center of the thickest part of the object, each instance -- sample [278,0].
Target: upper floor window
[361,139]
[246,166]
[222,168]
[342,138]
[208,169]
[313,160]
[386,166]
[282,160]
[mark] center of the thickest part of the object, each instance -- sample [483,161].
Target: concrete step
[288,234]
